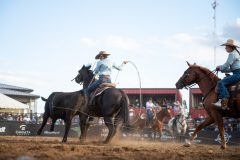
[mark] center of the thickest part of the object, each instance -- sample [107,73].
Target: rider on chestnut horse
[231,65]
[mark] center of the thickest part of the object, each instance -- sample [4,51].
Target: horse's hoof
[81,141]
[223,147]
[187,143]
[106,142]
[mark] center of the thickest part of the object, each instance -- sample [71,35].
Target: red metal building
[157,94]
[196,107]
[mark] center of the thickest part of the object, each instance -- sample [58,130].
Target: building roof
[150,90]
[6,86]
[10,90]
[17,93]
[7,102]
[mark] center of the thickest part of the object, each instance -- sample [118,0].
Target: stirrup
[218,103]
[224,104]
[224,107]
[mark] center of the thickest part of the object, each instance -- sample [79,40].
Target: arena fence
[99,131]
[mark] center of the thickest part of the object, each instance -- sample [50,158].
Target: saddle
[234,88]
[100,90]
[103,87]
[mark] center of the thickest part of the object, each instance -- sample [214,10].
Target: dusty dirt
[29,148]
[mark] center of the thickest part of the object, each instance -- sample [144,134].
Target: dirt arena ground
[30,148]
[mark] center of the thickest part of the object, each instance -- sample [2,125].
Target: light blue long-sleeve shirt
[232,63]
[104,67]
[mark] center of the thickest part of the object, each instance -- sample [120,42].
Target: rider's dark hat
[102,53]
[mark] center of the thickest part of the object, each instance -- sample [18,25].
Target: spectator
[176,108]
[9,117]
[149,106]
[136,103]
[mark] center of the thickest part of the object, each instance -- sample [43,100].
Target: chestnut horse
[161,117]
[138,121]
[207,82]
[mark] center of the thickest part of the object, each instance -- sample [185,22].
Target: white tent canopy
[7,102]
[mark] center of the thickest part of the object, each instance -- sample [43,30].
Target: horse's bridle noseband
[199,80]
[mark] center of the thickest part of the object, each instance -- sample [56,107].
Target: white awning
[7,102]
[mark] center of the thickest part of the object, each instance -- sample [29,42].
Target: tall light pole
[214,6]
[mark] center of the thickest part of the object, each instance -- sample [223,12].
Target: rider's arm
[119,67]
[226,66]
[98,67]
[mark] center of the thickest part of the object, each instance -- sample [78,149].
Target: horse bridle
[199,79]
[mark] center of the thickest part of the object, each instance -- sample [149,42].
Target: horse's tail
[124,108]
[44,99]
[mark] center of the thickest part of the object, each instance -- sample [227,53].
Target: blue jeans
[96,84]
[223,84]
[149,115]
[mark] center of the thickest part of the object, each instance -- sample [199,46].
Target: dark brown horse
[207,82]
[139,121]
[112,104]
[62,105]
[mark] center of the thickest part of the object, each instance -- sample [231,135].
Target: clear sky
[43,43]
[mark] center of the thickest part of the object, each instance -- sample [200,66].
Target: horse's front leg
[83,127]
[68,122]
[205,123]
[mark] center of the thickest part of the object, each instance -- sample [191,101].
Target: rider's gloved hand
[217,68]
[125,62]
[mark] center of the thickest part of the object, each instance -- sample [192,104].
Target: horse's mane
[207,72]
[89,70]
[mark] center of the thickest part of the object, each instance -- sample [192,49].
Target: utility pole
[214,6]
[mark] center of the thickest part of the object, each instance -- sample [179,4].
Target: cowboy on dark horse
[231,65]
[103,70]
[150,111]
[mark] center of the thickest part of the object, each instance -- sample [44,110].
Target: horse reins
[204,96]
[199,79]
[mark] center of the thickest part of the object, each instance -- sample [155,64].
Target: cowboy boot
[224,103]
[218,103]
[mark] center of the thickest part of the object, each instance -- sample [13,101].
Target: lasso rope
[139,78]
[140,89]
[140,85]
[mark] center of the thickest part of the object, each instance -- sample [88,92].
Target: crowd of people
[30,118]
[21,117]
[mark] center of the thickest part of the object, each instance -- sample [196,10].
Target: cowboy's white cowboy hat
[176,103]
[102,53]
[230,42]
